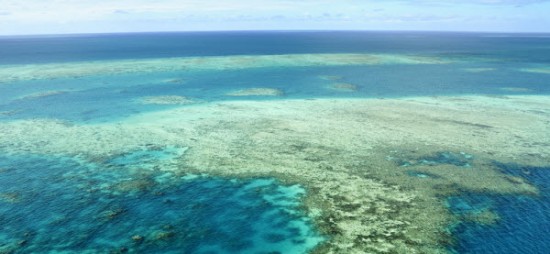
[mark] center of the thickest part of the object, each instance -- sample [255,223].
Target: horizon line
[273,30]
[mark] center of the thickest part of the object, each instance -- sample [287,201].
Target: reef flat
[376,171]
[540,70]
[478,70]
[343,87]
[260,91]
[10,73]
[166,100]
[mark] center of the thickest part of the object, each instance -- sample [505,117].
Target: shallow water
[136,192]
[120,205]
[468,64]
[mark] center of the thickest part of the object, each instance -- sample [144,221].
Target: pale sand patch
[10,112]
[516,89]
[338,150]
[478,70]
[174,81]
[260,91]
[343,87]
[166,100]
[331,77]
[44,94]
[10,73]
[542,70]
[485,217]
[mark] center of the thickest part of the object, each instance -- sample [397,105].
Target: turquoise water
[124,204]
[132,202]
[104,99]
[480,65]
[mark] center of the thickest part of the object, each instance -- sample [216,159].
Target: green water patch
[421,174]
[134,202]
[460,159]
[148,156]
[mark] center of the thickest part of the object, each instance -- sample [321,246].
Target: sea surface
[132,202]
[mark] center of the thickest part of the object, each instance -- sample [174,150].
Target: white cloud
[53,16]
[482,2]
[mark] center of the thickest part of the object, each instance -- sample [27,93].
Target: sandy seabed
[354,156]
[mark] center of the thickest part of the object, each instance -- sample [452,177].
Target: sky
[18,17]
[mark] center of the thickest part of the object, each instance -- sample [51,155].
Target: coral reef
[43,94]
[478,70]
[10,73]
[174,81]
[354,157]
[485,217]
[331,77]
[137,238]
[343,87]
[166,100]
[111,214]
[9,113]
[10,197]
[516,89]
[256,92]
[541,70]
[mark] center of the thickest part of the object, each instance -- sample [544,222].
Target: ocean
[275,142]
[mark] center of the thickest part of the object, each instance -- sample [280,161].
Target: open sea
[144,198]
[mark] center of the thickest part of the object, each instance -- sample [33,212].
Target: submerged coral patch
[472,209]
[478,70]
[260,91]
[421,174]
[174,81]
[43,94]
[516,89]
[541,70]
[331,77]
[457,159]
[10,197]
[344,87]
[77,206]
[84,69]
[9,113]
[166,100]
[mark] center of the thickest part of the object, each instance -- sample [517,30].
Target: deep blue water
[68,48]
[524,225]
